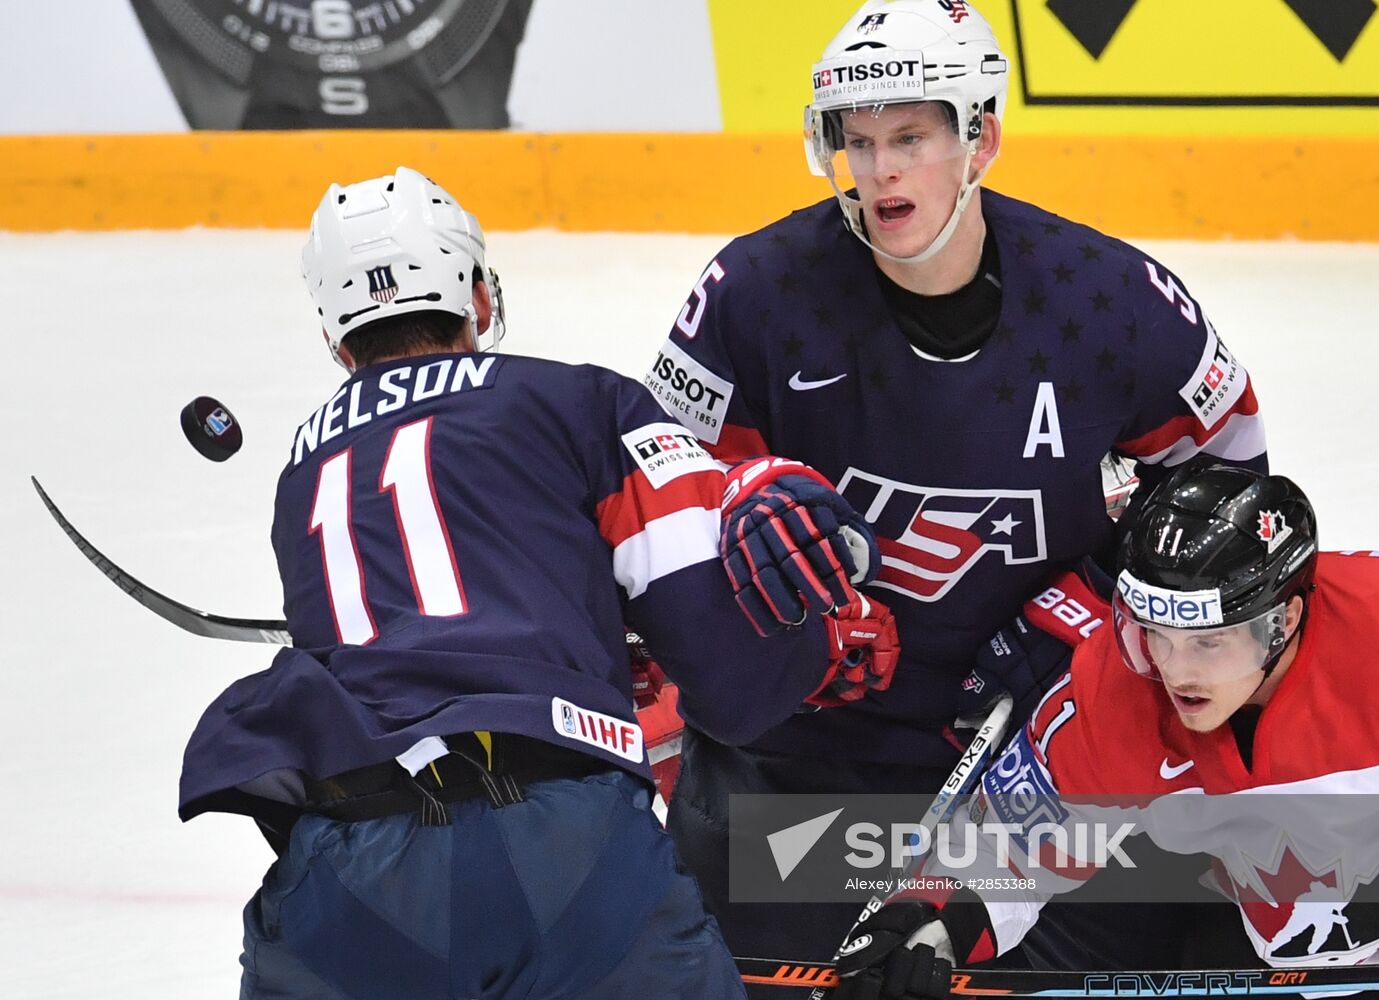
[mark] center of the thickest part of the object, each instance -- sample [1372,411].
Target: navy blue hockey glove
[1030,654]
[791,543]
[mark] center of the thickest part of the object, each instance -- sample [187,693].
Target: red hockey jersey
[1294,839]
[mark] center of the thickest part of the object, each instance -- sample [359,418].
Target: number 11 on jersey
[426,544]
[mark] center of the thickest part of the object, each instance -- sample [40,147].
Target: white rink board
[103,893]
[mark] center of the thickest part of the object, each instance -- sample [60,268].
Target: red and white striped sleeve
[665,514]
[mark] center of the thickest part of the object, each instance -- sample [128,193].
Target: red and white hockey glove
[863,652]
[647,676]
[790,543]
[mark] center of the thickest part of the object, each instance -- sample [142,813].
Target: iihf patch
[382,284]
[607,732]
[973,683]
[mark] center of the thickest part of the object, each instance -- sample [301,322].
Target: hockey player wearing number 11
[1244,729]
[448,761]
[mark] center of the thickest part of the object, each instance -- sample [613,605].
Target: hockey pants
[574,892]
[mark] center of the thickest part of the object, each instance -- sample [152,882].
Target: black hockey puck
[211,428]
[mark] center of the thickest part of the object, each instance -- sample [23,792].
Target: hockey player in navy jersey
[959,363]
[447,760]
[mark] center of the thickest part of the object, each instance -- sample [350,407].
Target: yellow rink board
[1171,68]
[1148,186]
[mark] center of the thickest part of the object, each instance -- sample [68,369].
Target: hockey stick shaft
[964,776]
[265,630]
[1049,983]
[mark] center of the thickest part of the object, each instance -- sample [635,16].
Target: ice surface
[103,893]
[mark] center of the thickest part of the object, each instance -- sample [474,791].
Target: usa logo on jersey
[930,537]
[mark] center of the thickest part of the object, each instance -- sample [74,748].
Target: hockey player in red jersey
[960,363]
[1240,642]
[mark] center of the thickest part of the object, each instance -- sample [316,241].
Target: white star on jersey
[1005,525]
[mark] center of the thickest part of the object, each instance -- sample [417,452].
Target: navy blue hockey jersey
[980,475]
[461,539]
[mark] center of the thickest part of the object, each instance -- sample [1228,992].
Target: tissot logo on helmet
[859,72]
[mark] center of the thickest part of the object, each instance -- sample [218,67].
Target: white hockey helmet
[392,245]
[903,51]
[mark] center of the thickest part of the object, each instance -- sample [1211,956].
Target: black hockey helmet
[1217,551]
[1206,527]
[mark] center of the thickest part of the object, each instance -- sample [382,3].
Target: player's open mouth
[1188,703]
[892,212]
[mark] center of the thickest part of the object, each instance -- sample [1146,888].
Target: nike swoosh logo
[1168,773]
[800,384]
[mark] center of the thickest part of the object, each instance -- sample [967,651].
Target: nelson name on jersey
[390,391]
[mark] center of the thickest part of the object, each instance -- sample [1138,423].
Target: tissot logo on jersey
[930,537]
[664,444]
[1216,384]
[667,451]
[689,392]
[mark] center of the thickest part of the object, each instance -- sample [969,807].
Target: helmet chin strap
[852,211]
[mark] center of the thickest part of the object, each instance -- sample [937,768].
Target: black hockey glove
[1030,654]
[790,543]
[899,952]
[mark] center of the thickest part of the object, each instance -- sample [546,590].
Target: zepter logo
[1172,608]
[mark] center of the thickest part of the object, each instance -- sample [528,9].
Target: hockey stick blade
[188,619]
[1044,983]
